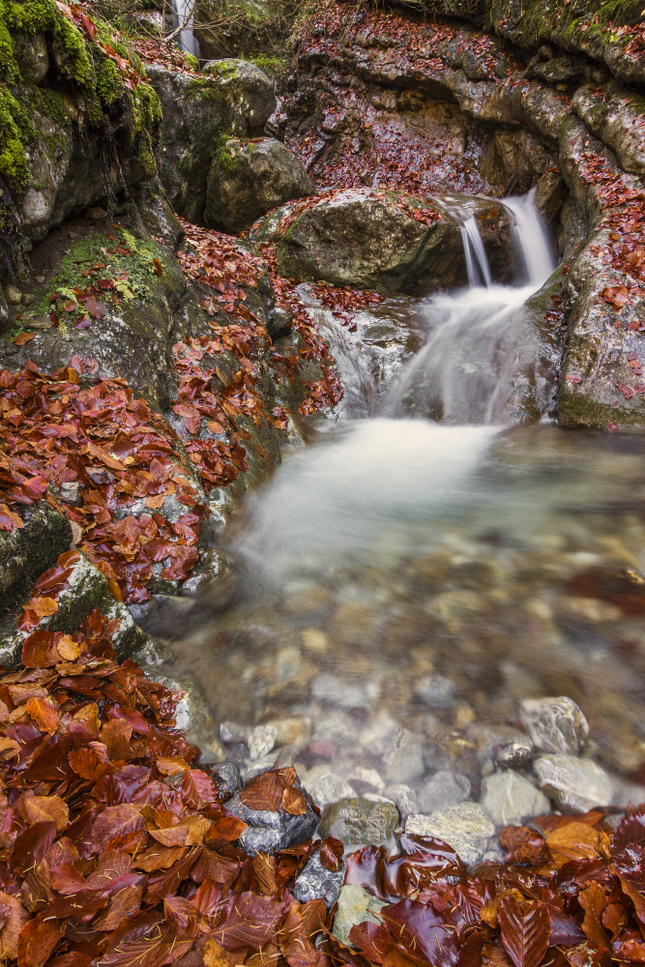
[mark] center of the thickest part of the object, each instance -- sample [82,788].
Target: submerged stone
[317,883]
[357,822]
[574,785]
[466,827]
[355,905]
[555,724]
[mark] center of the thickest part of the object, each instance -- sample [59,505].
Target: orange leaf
[23,338]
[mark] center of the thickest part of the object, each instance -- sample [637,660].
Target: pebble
[404,798]
[379,734]
[227,778]
[574,785]
[403,761]
[466,827]
[330,688]
[71,493]
[40,279]
[292,731]
[436,691]
[261,741]
[444,788]
[555,724]
[329,788]
[13,295]
[358,822]
[317,883]
[355,905]
[511,799]
[366,781]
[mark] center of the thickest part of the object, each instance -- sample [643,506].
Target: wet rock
[249,178]
[12,295]
[511,799]
[404,798]
[359,821]
[436,691]
[27,551]
[227,778]
[317,883]
[246,91]
[444,788]
[355,905]
[329,788]
[555,724]
[366,781]
[30,51]
[369,239]
[347,694]
[574,785]
[466,827]
[272,830]
[294,732]
[403,760]
[261,741]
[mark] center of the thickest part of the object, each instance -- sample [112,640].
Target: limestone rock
[248,179]
[247,92]
[30,51]
[510,799]
[272,830]
[359,821]
[436,691]
[316,883]
[574,785]
[555,724]
[355,905]
[466,827]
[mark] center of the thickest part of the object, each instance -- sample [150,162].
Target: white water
[531,240]
[183,10]
[476,260]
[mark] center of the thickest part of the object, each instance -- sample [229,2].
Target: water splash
[476,259]
[530,238]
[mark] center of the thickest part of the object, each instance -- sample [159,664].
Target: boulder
[511,800]
[271,830]
[28,551]
[466,827]
[574,785]
[382,240]
[249,178]
[232,97]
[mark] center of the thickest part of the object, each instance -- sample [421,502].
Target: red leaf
[525,929]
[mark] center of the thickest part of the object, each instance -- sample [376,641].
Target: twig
[178,30]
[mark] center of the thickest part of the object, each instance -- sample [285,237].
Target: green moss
[226,69]
[205,87]
[16,131]
[275,67]
[109,83]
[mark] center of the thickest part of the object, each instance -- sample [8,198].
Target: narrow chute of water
[183,12]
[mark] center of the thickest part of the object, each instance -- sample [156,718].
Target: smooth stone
[436,691]
[403,797]
[555,724]
[511,799]
[227,778]
[292,731]
[366,781]
[444,788]
[403,761]
[96,214]
[574,785]
[231,732]
[317,883]
[261,741]
[355,905]
[466,827]
[256,767]
[271,830]
[515,755]
[329,788]
[330,688]
[12,295]
[378,735]
[70,492]
[359,821]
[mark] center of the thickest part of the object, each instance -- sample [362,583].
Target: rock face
[28,551]
[249,178]
[231,98]
[379,240]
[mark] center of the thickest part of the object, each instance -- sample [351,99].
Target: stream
[426,566]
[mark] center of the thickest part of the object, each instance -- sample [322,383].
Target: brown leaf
[189,832]
[115,822]
[264,867]
[214,955]
[42,607]
[16,918]
[45,809]
[36,942]
[293,801]
[44,715]
[525,929]
[593,901]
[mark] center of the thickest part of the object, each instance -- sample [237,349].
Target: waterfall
[530,238]
[183,11]
[476,260]
[479,341]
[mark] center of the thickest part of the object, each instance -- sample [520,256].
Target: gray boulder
[249,178]
[196,111]
[466,827]
[28,551]
[317,883]
[444,788]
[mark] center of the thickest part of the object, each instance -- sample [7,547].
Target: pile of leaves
[344,301]
[153,50]
[116,850]
[219,263]
[72,427]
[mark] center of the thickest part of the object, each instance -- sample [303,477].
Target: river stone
[355,905]
[404,798]
[330,788]
[555,724]
[466,827]
[574,785]
[359,821]
[249,178]
[317,883]
[271,830]
[227,778]
[511,799]
[261,741]
[436,691]
[444,788]
[330,688]
[403,761]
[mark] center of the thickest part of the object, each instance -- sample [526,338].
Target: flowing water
[431,571]
[183,12]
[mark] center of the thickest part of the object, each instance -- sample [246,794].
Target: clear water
[505,560]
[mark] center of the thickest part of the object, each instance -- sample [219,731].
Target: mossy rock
[28,551]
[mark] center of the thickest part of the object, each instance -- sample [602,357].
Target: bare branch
[182,26]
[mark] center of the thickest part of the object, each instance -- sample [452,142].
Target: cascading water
[404,574]
[476,260]
[183,12]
